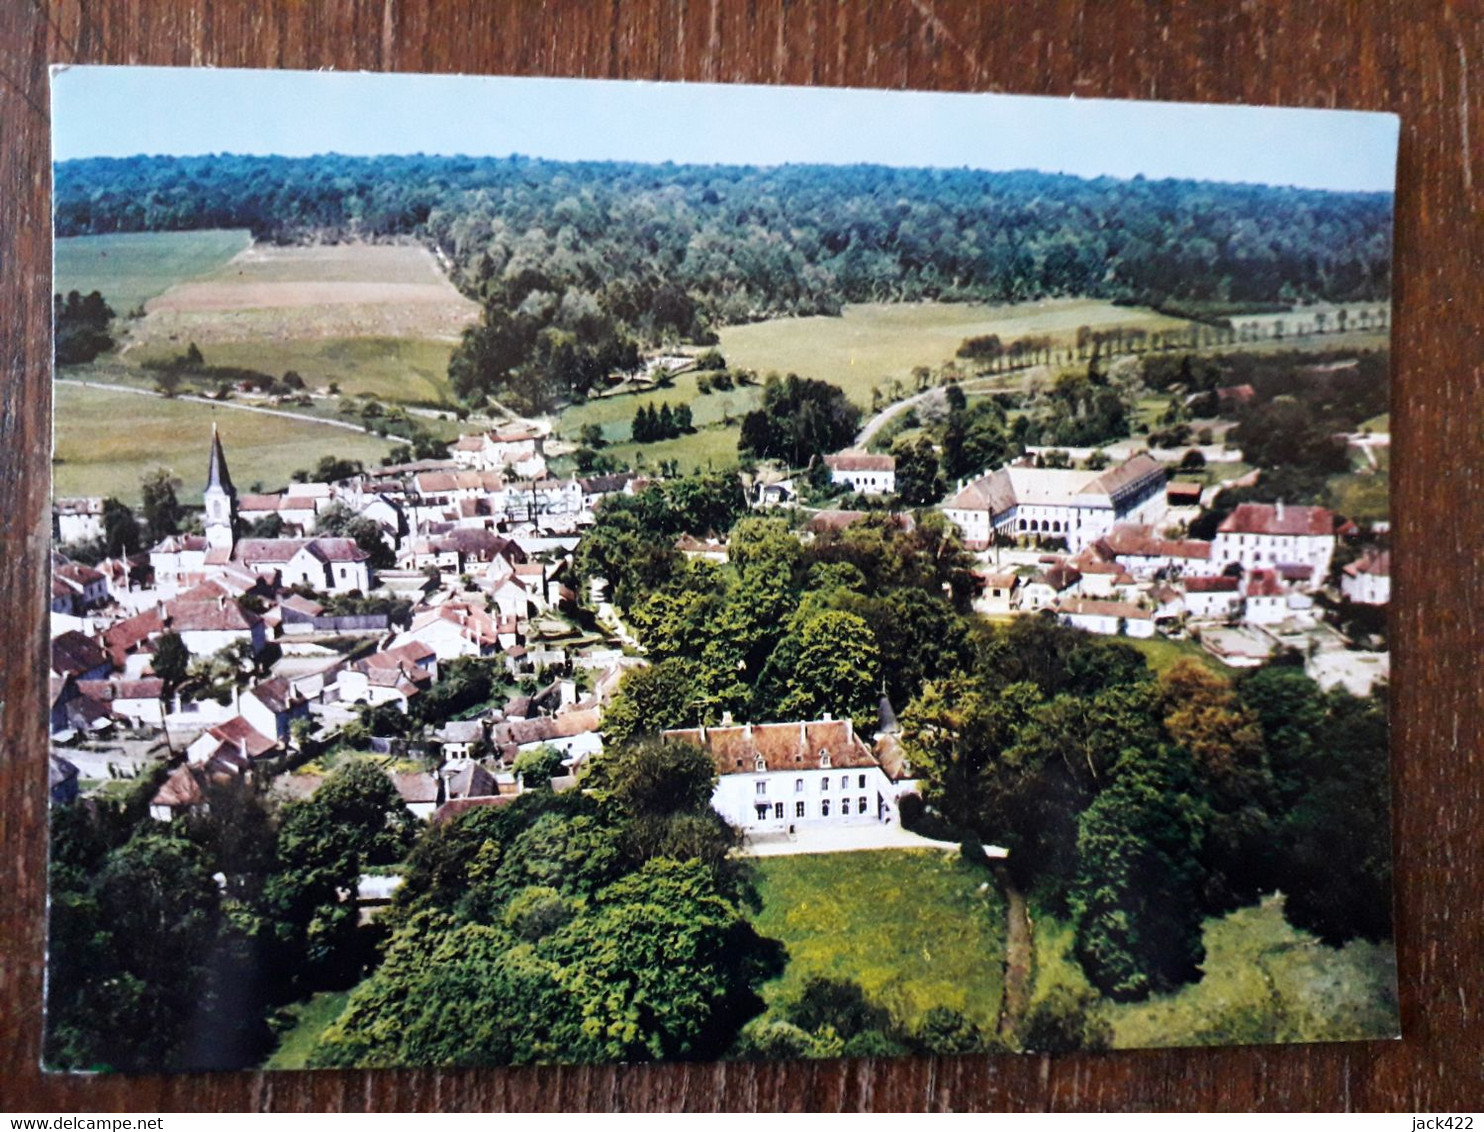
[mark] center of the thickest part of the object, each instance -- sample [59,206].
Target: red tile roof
[73,654]
[781,746]
[1219,584]
[853,460]
[1263,583]
[1377,563]
[1278,519]
[209,616]
[1085,608]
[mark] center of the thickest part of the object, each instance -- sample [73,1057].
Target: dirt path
[1017,959]
[215,404]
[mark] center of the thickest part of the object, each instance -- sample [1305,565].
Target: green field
[713,444]
[1265,982]
[133,267]
[390,369]
[309,1020]
[106,441]
[869,347]
[1162,653]
[915,928]
[873,344]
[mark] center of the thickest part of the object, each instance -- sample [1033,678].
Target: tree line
[579,265]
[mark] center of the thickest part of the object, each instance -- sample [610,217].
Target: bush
[1064,1021]
[923,820]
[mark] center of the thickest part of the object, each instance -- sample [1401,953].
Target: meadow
[105,441]
[131,268]
[915,928]
[872,345]
[1265,982]
[375,319]
[407,370]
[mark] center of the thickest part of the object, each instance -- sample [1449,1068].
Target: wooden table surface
[1410,56]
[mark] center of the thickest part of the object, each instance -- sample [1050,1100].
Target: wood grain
[1413,58]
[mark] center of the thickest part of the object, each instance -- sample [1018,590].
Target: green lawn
[106,441]
[390,369]
[915,928]
[1162,653]
[130,268]
[873,344]
[310,1019]
[1265,982]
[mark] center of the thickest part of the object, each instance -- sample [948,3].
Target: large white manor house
[1019,501]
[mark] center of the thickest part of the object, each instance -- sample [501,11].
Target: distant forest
[577,264]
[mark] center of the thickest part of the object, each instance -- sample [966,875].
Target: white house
[1259,535]
[865,472]
[996,594]
[1214,598]
[1080,506]
[457,629]
[77,520]
[1138,550]
[519,449]
[332,565]
[1367,581]
[206,627]
[1265,602]
[79,587]
[776,776]
[1112,618]
[178,562]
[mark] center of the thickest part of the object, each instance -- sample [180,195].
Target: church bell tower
[220,498]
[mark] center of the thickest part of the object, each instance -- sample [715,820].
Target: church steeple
[220,498]
[217,475]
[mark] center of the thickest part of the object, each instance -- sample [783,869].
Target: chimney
[747,732]
[849,730]
[1280,510]
[726,719]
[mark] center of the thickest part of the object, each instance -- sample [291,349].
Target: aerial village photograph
[552,571]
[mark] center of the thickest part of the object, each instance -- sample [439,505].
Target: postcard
[556,571]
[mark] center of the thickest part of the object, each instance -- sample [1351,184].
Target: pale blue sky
[120,111]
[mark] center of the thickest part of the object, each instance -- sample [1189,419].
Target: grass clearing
[1163,653]
[916,928]
[1265,982]
[713,444]
[107,440]
[390,369]
[133,267]
[873,344]
[310,1018]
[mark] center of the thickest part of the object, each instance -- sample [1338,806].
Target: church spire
[220,498]
[217,475]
